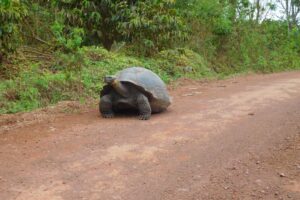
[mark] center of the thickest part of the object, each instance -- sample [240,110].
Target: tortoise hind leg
[105,106]
[143,107]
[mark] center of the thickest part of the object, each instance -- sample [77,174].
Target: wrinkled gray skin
[134,88]
[123,96]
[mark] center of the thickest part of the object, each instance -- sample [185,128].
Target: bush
[37,87]
[179,62]
[70,40]
[154,26]
[12,13]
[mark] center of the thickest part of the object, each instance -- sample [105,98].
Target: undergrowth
[79,76]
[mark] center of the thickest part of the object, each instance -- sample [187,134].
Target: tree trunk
[1,58]
[295,9]
[258,11]
[287,12]
[107,43]
[233,4]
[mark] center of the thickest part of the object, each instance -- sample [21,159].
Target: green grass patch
[80,76]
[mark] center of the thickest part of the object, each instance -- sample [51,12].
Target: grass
[79,76]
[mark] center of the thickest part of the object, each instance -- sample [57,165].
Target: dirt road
[232,139]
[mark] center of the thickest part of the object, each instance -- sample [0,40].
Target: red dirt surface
[232,139]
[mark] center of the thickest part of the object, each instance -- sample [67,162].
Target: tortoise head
[117,85]
[109,79]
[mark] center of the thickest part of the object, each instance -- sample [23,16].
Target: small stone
[276,193]
[197,92]
[186,95]
[183,190]
[282,175]
[52,128]
[267,188]
[258,181]
[251,114]
[253,194]
[258,162]
[197,177]
[116,197]
[188,69]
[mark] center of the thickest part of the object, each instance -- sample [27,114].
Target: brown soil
[232,139]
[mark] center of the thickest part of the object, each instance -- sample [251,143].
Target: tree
[99,19]
[152,23]
[291,9]
[12,13]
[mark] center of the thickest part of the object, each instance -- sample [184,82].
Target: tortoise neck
[120,88]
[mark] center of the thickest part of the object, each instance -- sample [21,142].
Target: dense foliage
[11,14]
[54,50]
[150,24]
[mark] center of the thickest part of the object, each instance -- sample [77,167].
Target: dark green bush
[11,15]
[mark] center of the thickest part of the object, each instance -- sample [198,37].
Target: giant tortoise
[134,88]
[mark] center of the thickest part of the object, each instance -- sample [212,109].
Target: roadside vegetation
[60,50]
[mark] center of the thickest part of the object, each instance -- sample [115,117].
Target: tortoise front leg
[144,107]
[105,106]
